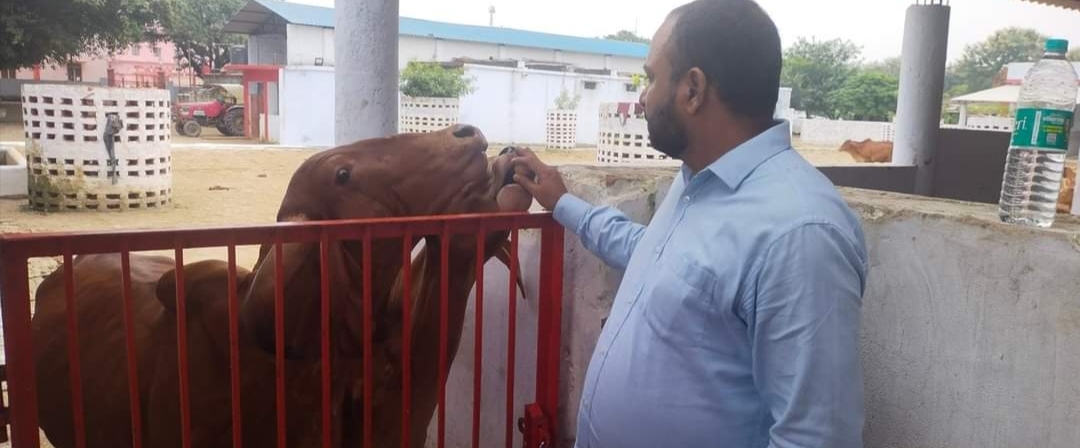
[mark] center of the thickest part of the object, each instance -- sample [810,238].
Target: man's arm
[804,330]
[605,231]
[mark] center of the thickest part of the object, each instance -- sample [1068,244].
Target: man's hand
[548,186]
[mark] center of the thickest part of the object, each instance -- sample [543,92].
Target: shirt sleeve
[805,338]
[604,230]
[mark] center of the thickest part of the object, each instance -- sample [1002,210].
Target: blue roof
[300,14]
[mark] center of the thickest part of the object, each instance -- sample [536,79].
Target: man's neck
[715,141]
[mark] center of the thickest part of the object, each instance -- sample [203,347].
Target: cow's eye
[342,176]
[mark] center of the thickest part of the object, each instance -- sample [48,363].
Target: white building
[292,34]
[517,74]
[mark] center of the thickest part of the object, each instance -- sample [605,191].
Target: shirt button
[686,198]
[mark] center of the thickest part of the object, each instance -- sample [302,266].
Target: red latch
[534,427]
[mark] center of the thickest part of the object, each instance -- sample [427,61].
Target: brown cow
[405,175]
[868,151]
[1068,188]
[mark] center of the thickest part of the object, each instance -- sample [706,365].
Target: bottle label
[1046,129]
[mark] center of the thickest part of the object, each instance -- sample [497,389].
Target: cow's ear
[206,284]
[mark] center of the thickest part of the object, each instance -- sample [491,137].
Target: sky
[879,32]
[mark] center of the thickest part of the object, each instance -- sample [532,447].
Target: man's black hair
[737,45]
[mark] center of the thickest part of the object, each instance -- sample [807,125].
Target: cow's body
[868,151]
[429,174]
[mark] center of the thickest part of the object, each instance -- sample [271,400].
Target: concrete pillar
[366,69]
[963,115]
[922,82]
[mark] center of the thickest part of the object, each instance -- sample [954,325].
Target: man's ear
[697,90]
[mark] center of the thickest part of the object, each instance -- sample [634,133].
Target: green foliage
[815,70]
[57,31]
[195,27]
[887,66]
[1074,55]
[432,80]
[869,95]
[565,102]
[982,61]
[628,36]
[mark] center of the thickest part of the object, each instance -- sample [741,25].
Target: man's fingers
[526,157]
[526,182]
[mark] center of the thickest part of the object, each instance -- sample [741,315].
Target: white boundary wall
[69,167]
[819,131]
[510,104]
[427,114]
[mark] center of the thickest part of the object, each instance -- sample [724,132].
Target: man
[736,323]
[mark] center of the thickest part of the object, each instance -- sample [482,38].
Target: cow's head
[438,173]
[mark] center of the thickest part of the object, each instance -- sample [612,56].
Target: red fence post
[19,347]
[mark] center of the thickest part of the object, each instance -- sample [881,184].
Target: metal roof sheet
[257,12]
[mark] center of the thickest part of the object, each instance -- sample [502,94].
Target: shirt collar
[732,168]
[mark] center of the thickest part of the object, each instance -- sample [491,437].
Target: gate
[537,420]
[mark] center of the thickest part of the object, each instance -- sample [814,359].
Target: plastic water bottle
[1036,159]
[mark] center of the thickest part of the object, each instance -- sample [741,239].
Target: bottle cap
[1057,46]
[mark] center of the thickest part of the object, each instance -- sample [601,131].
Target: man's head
[712,63]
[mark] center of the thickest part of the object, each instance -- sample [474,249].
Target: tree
[1074,55]
[628,36]
[431,79]
[888,66]
[869,95]
[195,27]
[815,69]
[57,31]
[981,61]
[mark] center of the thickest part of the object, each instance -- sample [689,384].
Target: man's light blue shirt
[736,324]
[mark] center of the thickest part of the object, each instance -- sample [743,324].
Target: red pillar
[37,72]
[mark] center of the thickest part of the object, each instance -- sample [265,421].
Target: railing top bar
[53,244]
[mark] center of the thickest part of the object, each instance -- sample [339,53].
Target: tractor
[215,105]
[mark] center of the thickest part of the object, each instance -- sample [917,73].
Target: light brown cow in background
[868,151]
[1068,188]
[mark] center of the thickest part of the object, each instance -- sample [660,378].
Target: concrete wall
[306,105]
[510,105]
[306,43]
[969,326]
[820,131]
[12,173]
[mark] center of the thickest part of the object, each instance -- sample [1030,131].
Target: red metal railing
[537,420]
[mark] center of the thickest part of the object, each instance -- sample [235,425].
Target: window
[631,88]
[157,51]
[7,74]
[135,49]
[590,85]
[74,72]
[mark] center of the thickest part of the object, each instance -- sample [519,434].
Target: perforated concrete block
[69,165]
[421,115]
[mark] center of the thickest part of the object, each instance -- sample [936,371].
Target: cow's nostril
[464,131]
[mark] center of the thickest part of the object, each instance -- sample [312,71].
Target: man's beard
[666,134]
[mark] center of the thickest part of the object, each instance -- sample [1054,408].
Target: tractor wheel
[191,129]
[233,122]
